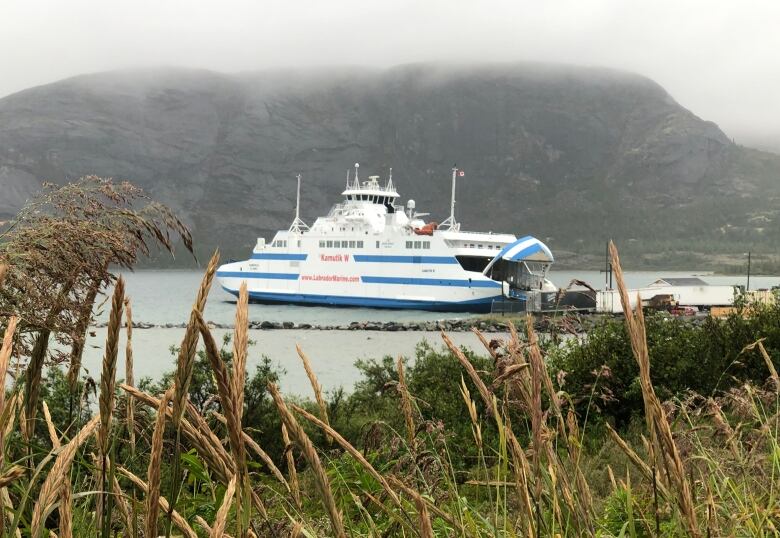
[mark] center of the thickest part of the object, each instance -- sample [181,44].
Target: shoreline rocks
[542,325]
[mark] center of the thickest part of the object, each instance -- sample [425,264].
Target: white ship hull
[369,280]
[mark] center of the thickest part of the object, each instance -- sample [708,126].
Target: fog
[720,59]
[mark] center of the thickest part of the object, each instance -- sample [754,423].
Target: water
[161,297]
[166,297]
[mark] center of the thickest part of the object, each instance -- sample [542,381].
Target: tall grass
[700,466]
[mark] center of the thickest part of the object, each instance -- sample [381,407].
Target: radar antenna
[298,226]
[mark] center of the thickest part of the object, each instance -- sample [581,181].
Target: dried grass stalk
[185,361]
[355,453]
[220,520]
[55,440]
[108,377]
[153,471]
[129,375]
[66,509]
[213,453]
[406,402]
[32,383]
[772,371]
[240,349]
[3,271]
[658,425]
[466,363]
[177,518]
[51,486]
[5,358]
[252,444]
[310,454]
[315,385]
[291,470]
[426,530]
[10,475]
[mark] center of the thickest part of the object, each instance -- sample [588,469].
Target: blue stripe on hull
[410,281]
[252,274]
[377,258]
[476,305]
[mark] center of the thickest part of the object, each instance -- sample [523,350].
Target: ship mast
[450,223]
[298,226]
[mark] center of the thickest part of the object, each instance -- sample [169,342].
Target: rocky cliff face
[572,155]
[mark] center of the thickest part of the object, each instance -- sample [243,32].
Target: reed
[315,385]
[218,530]
[178,519]
[11,475]
[240,349]
[129,375]
[310,454]
[295,489]
[658,425]
[108,376]
[153,470]
[5,358]
[53,437]
[352,451]
[66,509]
[185,361]
[51,486]
[406,402]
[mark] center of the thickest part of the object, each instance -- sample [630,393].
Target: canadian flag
[461,173]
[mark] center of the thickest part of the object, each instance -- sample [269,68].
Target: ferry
[369,251]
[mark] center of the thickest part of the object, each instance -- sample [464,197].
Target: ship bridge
[371,191]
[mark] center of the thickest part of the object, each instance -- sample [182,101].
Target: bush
[600,370]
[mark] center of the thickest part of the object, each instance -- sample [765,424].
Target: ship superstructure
[370,251]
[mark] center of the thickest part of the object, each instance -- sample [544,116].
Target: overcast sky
[720,59]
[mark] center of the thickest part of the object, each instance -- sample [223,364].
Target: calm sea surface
[160,297]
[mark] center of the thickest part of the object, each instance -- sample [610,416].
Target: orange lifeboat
[427,229]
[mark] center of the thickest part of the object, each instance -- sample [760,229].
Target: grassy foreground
[526,460]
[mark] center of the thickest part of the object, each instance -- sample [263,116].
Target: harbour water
[161,297]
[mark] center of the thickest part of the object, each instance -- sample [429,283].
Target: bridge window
[377,244]
[351,244]
[322,244]
[408,244]
[426,244]
[360,244]
[417,244]
[330,244]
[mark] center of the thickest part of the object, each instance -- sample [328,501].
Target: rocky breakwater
[543,325]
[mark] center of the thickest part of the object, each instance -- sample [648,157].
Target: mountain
[572,155]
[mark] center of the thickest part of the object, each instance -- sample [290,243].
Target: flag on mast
[461,173]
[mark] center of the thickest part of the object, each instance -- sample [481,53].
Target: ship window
[417,244]
[360,244]
[426,244]
[330,244]
[377,244]
[322,244]
[299,243]
[474,264]
[408,244]
[351,244]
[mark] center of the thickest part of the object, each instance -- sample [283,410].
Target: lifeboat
[428,229]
